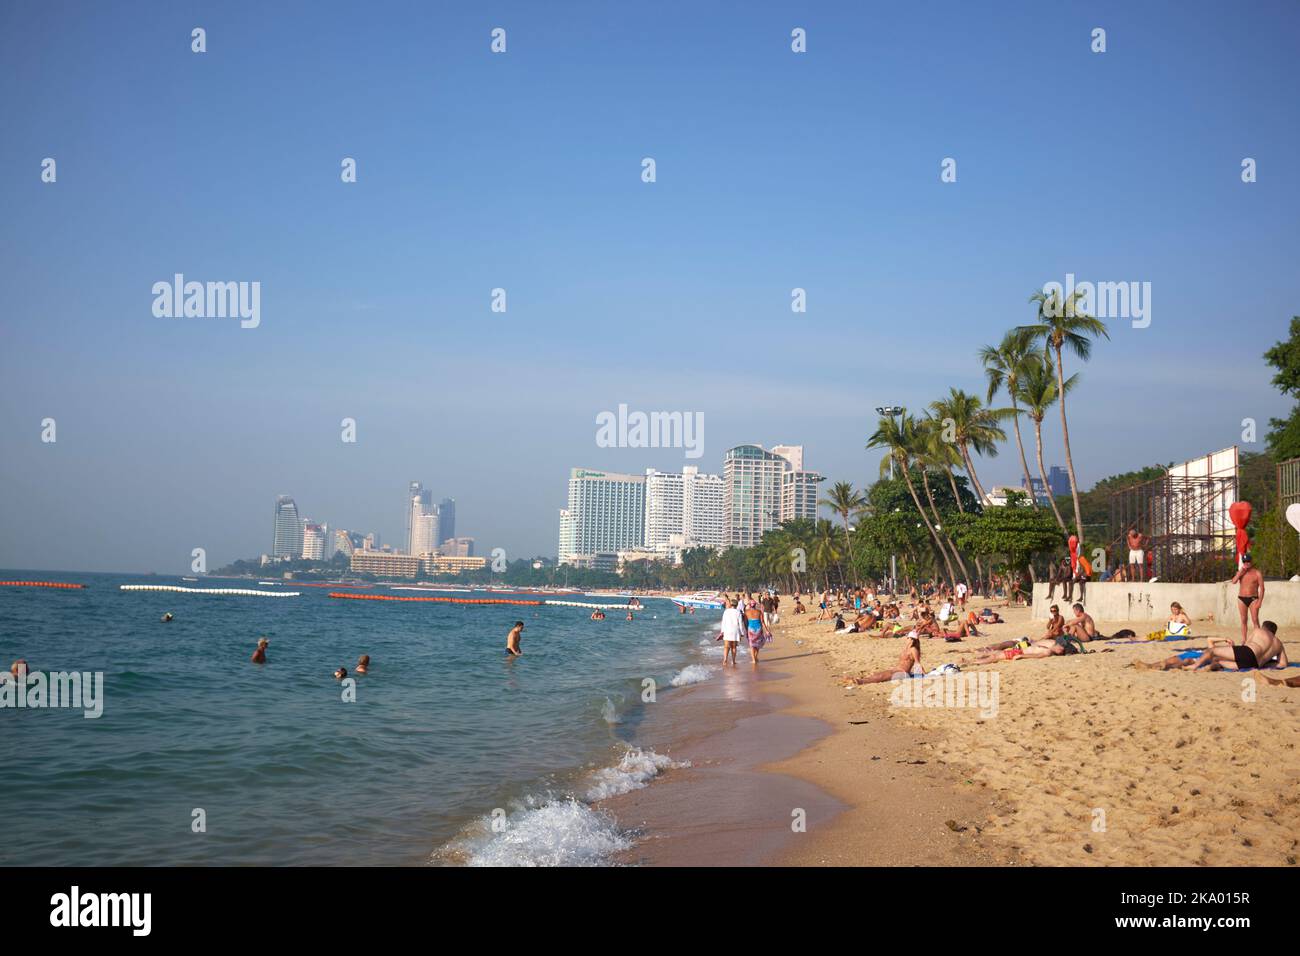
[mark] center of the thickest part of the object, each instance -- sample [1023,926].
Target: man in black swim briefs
[1250,593]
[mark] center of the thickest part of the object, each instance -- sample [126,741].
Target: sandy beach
[1084,760]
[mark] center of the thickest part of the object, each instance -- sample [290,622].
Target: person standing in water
[512,640]
[259,655]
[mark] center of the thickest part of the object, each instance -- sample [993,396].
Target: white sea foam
[692,674]
[555,833]
[634,771]
[552,831]
[610,712]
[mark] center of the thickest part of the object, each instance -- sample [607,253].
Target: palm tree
[1002,367]
[823,553]
[845,501]
[931,450]
[972,426]
[1036,387]
[899,439]
[1062,325]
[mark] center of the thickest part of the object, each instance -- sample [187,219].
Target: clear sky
[522,171]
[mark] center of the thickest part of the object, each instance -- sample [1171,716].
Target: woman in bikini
[909,665]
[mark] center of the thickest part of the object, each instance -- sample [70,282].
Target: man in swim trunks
[259,655]
[1262,649]
[1137,558]
[1250,593]
[1083,627]
[512,640]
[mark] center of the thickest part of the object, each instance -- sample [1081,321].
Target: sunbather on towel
[909,664]
[1262,649]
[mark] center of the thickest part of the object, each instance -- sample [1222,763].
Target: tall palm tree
[973,427]
[1036,388]
[1063,325]
[898,438]
[1002,367]
[845,501]
[930,451]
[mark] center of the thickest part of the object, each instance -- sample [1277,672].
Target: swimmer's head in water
[519,623]
[341,673]
[263,641]
[363,661]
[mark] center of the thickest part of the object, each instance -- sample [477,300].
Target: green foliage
[1283,438]
[1015,533]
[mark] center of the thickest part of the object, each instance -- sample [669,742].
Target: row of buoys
[598,607]
[443,600]
[39,584]
[171,587]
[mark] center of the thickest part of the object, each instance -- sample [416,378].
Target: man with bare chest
[1250,593]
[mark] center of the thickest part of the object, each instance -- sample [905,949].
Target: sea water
[450,752]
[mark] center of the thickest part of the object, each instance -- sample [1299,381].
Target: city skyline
[523,172]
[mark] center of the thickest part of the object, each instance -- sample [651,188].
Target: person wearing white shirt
[733,628]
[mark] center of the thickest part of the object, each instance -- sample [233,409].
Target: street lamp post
[891,411]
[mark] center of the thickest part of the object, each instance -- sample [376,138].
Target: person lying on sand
[1060,646]
[1261,649]
[909,662]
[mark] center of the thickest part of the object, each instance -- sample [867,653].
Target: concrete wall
[1124,601]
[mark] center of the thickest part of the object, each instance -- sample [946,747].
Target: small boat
[708,600]
[189,579]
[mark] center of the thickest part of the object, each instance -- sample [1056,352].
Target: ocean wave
[636,769]
[559,831]
[550,833]
[692,674]
[610,712]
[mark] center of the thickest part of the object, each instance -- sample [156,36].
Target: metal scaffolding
[1190,536]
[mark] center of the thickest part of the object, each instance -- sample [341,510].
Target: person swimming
[341,673]
[259,655]
[167,617]
[363,663]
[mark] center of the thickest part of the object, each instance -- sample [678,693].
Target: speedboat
[707,600]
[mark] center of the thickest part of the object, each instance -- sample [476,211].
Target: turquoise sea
[445,736]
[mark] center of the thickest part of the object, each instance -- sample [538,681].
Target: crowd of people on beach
[939,610]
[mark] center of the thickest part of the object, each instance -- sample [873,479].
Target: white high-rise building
[799,494]
[683,510]
[313,541]
[764,488]
[288,529]
[791,453]
[419,502]
[424,532]
[606,514]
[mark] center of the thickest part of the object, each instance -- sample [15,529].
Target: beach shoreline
[1086,761]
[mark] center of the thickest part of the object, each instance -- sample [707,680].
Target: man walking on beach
[1250,593]
[733,627]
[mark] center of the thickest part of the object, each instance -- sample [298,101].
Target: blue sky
[522,171]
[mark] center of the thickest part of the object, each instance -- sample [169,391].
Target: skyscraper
[424,533]
[752,484]
[606,514]
[288,529]
[1058,479]
[419,502]
[799,494]
[446,519]
[686,505]
[313,541]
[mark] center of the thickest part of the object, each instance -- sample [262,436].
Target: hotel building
[288,529]
[683,510]
[762,489]
[606,514]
